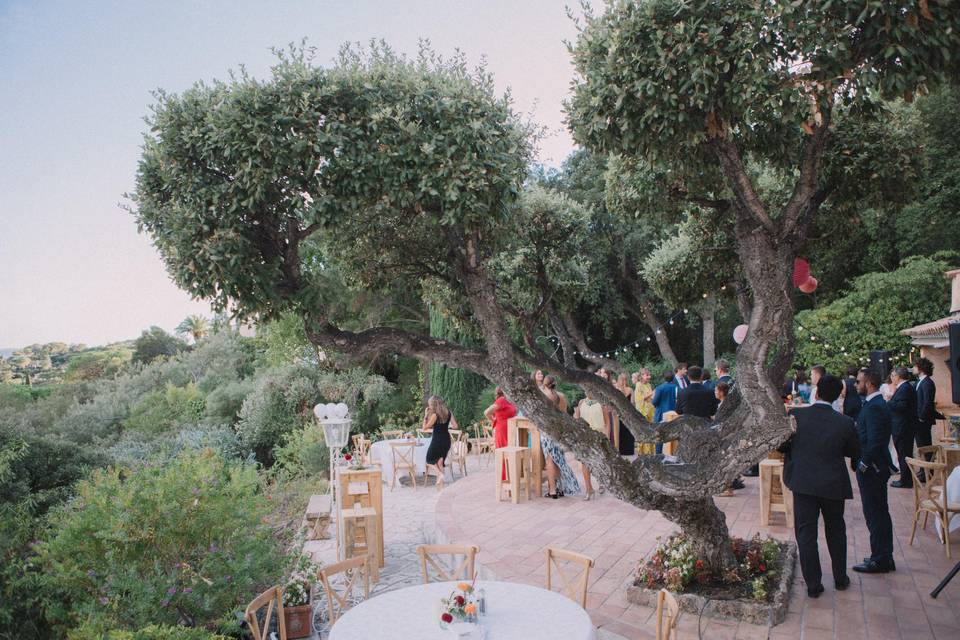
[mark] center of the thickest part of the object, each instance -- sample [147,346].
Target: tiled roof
[935,328]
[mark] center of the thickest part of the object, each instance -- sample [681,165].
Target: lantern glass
[336,432]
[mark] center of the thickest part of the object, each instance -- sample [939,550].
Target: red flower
[763,567]
[459,600]
[447,618]
[698,564]
[348,457]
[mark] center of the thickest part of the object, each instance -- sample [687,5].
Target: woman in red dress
[498,413]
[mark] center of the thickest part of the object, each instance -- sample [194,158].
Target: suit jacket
[851,400]
[696,400]
[926,402]
[664,399]
[814,454]
[873,431]
[682,382]
[903,410]
[727,379]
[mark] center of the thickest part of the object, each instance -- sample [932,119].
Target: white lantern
[336,425]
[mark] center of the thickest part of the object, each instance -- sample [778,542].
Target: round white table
[514,612]
[382,453]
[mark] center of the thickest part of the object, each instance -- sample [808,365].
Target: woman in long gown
[561,480]
[590,411]
[438,420]
[498,413]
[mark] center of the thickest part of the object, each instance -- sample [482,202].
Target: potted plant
[297,605]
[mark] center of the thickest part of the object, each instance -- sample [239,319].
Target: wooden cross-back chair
[465,570]
[668,611]
[354,571]
[483,443]
[403,453]
[393,434]
[424,434]
[933,453]
[458,452]
[930,496]
[272,598]
[573,586]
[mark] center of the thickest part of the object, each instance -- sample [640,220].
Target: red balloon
[801,271]
[809,285]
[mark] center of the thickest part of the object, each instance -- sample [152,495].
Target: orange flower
[463,586]
[470,609]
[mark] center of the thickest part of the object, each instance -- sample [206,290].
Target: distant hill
[6,353]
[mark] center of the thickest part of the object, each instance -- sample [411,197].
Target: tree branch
[740,183]
[806,187]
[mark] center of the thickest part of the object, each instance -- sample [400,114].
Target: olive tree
[409,174]
[729,86]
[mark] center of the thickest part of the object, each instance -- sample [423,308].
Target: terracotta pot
[298,621]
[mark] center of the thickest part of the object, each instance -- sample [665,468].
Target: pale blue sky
[75,82]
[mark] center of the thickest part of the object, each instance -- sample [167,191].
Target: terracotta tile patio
[893,606]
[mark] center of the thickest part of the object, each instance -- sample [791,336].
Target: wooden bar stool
[361,537]
[516,460]
[774,495]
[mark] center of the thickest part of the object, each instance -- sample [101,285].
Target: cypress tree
[459,388]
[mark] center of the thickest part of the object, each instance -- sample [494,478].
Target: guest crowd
[855,416]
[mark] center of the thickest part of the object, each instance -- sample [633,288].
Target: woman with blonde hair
[561,480]
[643,394]
[438,420]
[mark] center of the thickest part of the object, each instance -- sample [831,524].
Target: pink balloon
[801,271]
[809,285]
[740,333]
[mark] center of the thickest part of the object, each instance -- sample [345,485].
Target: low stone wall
[768,614]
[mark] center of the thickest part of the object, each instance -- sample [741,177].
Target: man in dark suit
[680,375]
[695,399]
[816,473]
[903,421]
[926,401]
[722,369]
[851,399]
[873,471]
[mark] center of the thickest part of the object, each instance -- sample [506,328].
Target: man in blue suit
[873,471]
[664,400]
[903,414]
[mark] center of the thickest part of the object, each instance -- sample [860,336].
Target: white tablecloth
[514,612]
[382,453]
[953,495]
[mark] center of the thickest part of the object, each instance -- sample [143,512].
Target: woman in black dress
[438,420]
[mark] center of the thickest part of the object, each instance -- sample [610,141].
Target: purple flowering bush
[185,543]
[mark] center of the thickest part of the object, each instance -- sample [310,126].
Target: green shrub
[153,632]
[184,542]
[304,452]
[163,410]
[873,313]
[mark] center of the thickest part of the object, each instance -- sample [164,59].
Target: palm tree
[194,325]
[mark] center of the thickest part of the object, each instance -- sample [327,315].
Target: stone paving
[512,539]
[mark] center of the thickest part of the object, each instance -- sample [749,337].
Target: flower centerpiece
[297,608]
[460,606]
[353,462]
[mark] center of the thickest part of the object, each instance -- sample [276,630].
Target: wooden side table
[362,536]
[522,432]
[363,487]
[516,461]
[774,495]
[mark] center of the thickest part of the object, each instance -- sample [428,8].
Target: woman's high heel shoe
[589,496]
